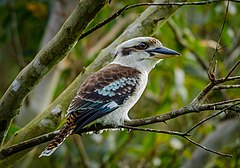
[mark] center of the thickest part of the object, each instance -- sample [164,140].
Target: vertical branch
[213,63]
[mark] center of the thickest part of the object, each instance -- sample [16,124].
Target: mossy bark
[45,60]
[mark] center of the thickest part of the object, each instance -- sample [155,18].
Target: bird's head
[142,53]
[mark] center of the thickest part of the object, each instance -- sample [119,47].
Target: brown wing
[103,92]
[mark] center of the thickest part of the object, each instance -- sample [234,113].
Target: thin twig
[203,93]
[153,130]
[232,69]
[101,24]
[127,7]
[212,68]
[6,152]
[176,113]
[211,85]
[234,78]
[184,135]
[204,120]
[207,149]
[221,87]
[223,102]
[223,26]
[209,117]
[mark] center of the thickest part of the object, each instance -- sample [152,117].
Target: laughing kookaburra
[108,94]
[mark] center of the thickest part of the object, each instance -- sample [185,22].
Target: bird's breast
[118,116]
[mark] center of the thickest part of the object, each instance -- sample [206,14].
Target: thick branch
[4,153]
[47,57]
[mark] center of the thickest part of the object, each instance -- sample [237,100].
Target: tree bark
[45,60]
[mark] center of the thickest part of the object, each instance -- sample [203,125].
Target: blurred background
[26,26]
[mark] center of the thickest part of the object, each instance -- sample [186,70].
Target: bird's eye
[143,46]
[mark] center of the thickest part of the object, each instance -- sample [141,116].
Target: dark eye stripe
[127,51]
[141,46]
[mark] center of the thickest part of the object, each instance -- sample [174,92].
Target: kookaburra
[108,94]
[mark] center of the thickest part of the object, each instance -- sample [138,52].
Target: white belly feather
[118,116]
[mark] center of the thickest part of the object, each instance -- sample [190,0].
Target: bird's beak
[162,52]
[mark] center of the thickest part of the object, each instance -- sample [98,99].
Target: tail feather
[58,140]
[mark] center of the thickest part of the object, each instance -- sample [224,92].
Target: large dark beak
[162,52]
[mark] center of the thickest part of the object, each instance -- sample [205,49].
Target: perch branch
[8,151]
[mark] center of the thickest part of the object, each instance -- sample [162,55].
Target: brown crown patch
[153,41]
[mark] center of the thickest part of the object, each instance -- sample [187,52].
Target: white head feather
[142,53]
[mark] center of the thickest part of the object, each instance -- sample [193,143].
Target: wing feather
[102,93]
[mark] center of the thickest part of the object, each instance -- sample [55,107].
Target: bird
[107,95]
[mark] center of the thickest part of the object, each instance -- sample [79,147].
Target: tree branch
[212,84]
[209,117]
[213,63]
[207,149]
[170,4]
[180,112]
[223,135]
[232,69]
[6,152]
[153,130]
[47,57]
[183,135]
[220,87]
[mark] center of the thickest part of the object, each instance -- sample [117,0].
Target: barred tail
[58,140]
